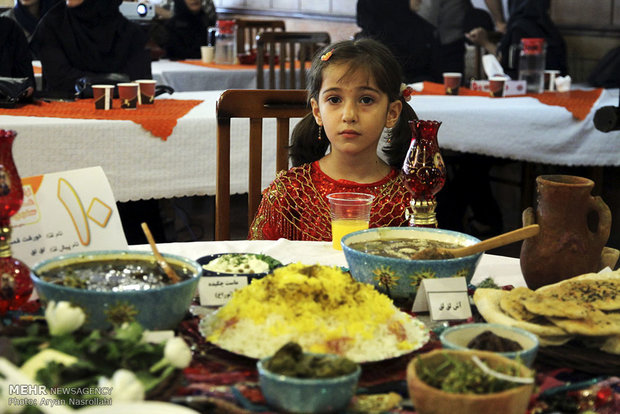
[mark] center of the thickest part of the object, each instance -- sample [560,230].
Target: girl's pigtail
[399,138]
[306,147]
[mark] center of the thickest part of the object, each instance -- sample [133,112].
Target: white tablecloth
[504,270]
[184,77]
[141,166]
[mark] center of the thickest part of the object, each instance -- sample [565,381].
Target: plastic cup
[550,76]
[103,95]
[497,86]
[349,212]
[207,53]
[128,94]
[452,82]
[146,91]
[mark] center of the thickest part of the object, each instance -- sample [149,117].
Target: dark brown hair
[365,55]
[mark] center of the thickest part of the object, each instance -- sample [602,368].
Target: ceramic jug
[574,227]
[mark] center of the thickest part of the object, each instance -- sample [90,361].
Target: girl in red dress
[355,93]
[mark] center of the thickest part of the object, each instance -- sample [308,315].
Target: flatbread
[612,345]
[603,294]
[597,323]
[554,304]
[512,304]
[488,304]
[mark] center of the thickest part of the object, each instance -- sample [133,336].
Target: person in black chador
[27,14]
[15,59]
[187,29]
[413,41]
[88,38]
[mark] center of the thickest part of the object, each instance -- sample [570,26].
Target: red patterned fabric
[159,119]
[295,205]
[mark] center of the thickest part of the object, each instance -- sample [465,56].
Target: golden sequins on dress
[295,207]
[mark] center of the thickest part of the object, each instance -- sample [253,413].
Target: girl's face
[74,3]
[353,110]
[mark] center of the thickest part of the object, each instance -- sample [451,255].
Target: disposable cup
[146,91]
[452,82]
[550,76]
[207,53]
[497,85]
[103,95]
[128,94]
[349,212]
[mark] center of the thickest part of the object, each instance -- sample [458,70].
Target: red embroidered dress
[295,205]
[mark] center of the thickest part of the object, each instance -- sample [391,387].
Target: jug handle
[604,217]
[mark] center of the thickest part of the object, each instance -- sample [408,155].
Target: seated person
[528,18]
[89,38]
[15,60]
[27,14]
[187,29]
[413,41]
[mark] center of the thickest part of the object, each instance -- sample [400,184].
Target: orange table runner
[577,102]
[237,67]
[159,119]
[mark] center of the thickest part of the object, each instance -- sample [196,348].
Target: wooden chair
[253,104]
[290,47]
[248,30]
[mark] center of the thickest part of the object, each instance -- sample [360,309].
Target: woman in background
[187,29]
[27,14]
[15,60]
[88,38]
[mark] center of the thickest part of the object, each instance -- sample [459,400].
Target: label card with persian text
[66,212]
[216,291]
[444,298]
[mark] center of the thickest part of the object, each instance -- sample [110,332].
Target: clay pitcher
[574,227]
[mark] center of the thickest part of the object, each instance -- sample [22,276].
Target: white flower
[62,318]
[126,387]
[177,352]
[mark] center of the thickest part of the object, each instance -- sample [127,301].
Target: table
[184,77]
[504,270]
[140,166]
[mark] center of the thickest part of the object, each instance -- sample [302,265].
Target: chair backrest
[248,30]
[293,50]
[254,104]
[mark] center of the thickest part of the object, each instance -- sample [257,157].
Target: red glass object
[424,172]
[15,283]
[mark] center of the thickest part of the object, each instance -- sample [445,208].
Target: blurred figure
[27,14]
[453,18]
[88,38]
[528,18]
[413,41]
[187,28]
[15,60]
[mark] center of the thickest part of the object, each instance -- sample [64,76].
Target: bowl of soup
[116,286]
[383,257]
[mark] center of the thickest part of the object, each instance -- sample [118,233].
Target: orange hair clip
[327,55]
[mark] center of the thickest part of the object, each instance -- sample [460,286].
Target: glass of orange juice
[349,212]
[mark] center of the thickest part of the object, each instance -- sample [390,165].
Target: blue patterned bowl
[457,337]
[307,395]
[156,308]
[400,278]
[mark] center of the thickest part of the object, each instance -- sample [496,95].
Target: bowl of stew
[383,257]
[116,286]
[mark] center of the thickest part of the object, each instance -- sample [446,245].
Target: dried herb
[290,360]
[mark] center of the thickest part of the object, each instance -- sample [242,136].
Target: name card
[216,291]
[66,212]
[443,298]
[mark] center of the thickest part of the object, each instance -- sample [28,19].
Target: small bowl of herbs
[295,381]
[250,265]
[468,382]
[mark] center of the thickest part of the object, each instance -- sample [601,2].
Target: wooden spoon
[435,253]
[163,264]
